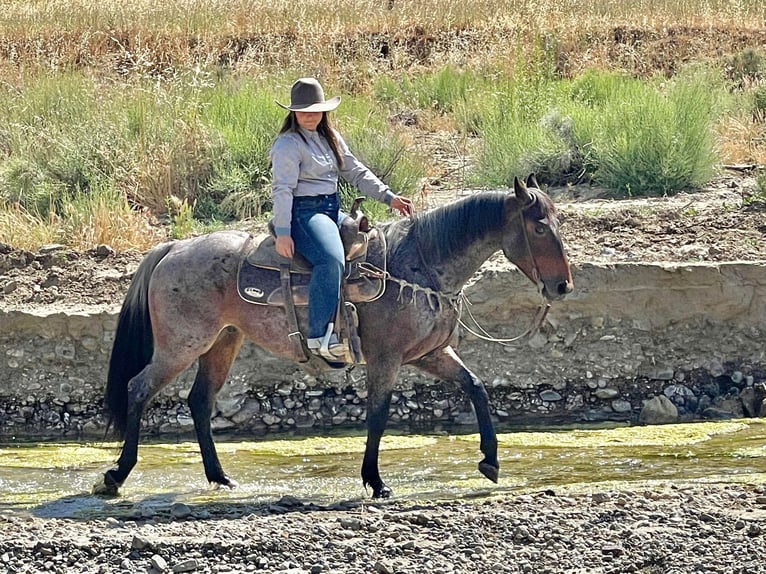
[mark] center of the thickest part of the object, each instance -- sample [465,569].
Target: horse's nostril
[565,287]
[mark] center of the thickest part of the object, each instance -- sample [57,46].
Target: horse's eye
[540,229]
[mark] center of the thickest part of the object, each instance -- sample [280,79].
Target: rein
[542,309]
[454,300]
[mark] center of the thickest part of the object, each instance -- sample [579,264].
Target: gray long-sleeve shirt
[306,168]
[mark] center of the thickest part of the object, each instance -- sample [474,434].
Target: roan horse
[183,304]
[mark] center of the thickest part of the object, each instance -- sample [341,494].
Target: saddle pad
[259,285]
[264,287]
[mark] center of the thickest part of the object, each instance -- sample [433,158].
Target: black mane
[442,232]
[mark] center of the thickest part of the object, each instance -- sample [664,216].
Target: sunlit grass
[167,109]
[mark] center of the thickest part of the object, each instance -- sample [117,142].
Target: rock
[750,404]
[185,566]
[658,410]
[180,511]
[104,250]
[158,563]
[140,543]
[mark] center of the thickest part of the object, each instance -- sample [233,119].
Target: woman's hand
[285,246]
[403,205]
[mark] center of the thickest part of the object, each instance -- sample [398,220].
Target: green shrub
[654,141]
[383,150]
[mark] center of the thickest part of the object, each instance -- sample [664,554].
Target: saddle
[267,278]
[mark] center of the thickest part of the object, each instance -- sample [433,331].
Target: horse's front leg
[212,372]
[446,365]
[381,375]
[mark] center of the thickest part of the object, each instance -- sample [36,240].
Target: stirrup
[328,347]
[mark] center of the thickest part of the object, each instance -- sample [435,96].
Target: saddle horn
[357,215]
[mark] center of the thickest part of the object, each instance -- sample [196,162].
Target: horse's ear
[532,181]
[522,193]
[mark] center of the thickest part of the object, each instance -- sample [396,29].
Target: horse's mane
[443,231]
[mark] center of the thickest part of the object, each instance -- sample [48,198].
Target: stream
[55,478]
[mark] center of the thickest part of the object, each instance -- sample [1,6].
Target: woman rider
[307,157]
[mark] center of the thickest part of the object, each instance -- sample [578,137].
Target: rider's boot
[328,347]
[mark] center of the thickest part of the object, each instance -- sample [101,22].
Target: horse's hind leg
[446,365]
[213,369]
[141,389]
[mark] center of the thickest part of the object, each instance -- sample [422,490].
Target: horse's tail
[133,340]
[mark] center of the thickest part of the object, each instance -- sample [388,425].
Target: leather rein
[455,301]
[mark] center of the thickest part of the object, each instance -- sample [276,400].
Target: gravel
[662,528]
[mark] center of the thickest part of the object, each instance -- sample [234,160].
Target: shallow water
[55,479]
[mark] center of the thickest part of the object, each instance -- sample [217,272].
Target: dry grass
[122,229]
[101,222]
[742,138]
[25,231]
[242,17]
[350,41]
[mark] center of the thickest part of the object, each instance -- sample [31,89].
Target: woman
[307,157]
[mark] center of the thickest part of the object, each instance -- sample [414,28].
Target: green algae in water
[308,446]
[57,455]
[57,478]
[629,436]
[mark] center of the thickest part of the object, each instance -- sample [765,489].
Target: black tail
[133,341]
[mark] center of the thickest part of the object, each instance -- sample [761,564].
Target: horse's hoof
[491,472]
[101,488]
[225,483]
[383,492]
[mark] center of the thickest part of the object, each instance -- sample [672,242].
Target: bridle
[543,307]
[455,300]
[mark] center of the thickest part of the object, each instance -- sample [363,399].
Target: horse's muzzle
[561,290]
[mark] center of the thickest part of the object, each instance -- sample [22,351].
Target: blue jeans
[317,237]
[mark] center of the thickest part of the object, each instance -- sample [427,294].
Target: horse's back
[197,276]
[217,251]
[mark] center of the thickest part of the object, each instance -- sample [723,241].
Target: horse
[183,305]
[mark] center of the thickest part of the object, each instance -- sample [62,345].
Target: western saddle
[267,278]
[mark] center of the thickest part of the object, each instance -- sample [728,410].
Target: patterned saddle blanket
[259,279]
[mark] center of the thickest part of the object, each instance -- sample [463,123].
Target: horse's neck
[453,272]
[417,258]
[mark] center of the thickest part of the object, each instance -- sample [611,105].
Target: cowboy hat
[307,95]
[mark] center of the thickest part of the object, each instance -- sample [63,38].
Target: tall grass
[166,110]
[246,119]
[77,148]
[633,137]
[254,16]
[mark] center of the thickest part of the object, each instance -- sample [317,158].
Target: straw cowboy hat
[307,95]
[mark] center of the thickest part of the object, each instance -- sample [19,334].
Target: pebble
[693,527]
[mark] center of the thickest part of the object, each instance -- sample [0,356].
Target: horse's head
[531,239]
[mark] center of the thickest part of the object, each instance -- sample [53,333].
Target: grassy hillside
[128,122]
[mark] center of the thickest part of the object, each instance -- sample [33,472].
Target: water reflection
[56,478]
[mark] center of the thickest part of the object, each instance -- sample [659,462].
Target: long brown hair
[324,128]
